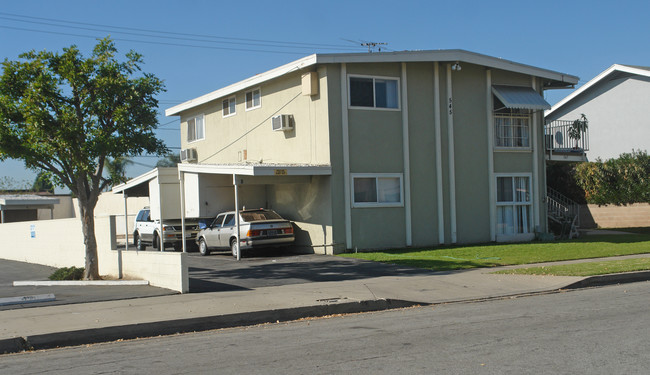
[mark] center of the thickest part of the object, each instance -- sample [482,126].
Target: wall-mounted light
[456,66]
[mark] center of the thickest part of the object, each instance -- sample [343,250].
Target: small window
[218,221]
[229,107]
[377,190]
[253,99]
[374,92]
[511,126]
[195,129]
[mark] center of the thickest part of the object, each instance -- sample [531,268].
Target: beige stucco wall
[247,136]
[59,243]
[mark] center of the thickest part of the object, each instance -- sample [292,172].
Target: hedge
[621,181]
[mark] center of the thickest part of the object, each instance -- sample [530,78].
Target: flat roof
[139,186]
[559,79]
[26,200]
[258,169]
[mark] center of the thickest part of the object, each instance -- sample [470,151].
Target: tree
[67,115]
[42,182]
[116,169]
[171,160]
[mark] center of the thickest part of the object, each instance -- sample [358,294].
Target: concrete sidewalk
[85,323]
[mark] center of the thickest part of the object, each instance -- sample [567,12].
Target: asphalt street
[588,331]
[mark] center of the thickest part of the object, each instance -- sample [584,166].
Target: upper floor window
[229,107]
[253,99]
[374,92]
[377,190]
[511,126]
[195,129]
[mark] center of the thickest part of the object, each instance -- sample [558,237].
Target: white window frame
[374,99]
[252,92]
[196,139]
[529,231]
[400,176]
[232,99]
[512,117]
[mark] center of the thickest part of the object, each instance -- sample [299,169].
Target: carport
[24,207]
[207,189]
[161,185]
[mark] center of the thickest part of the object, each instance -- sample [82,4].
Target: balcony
[564,141]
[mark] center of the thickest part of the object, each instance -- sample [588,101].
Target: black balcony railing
[561,136]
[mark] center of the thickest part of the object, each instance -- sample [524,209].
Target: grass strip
[584,269]
[491,255]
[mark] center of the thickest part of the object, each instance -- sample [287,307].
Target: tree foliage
[67,114]
[619,181]
[172,159]
[43,182]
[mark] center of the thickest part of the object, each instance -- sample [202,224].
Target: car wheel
[157,243]
[203,247]
[138,243]
[233,247]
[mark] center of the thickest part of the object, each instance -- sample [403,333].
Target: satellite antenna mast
[372,45]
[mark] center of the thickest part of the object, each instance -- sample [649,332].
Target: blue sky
[580,38]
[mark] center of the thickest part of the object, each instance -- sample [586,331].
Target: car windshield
[259,215]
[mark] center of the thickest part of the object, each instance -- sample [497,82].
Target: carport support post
[181,178]
[126,222]
[237,224]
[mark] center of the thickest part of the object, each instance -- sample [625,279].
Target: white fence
[59,243]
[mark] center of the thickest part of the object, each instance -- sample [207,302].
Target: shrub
[68,273]
[619,181]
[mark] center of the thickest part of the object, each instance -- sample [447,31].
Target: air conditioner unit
[282,123]
[188,154]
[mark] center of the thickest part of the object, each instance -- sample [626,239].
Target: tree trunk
[91,271]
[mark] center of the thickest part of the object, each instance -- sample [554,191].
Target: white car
[147,232]
[258,228]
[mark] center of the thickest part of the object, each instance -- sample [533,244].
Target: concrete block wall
[610,216]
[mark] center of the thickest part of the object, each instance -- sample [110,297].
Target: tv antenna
[371,45]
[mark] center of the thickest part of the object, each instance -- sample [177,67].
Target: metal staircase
[563,211]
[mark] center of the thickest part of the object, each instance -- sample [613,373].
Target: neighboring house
[616,104]
[27,207]
[376,150]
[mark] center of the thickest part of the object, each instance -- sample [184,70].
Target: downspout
[407,163]
[437,111]
[452,171]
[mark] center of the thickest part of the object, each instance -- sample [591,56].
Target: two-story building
[376,150]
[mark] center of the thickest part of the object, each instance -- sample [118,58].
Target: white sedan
[258,228]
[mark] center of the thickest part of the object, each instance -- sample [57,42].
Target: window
[253,99]
[229,107]
[374,92]
[513,204]
[229,221]
[195,129]
[382,190]
[511,126]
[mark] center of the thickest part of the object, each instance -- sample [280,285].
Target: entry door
[227,230]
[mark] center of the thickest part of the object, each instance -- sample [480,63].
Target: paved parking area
[219,271]
[11,271]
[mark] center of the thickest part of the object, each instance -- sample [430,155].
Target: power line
[169,35]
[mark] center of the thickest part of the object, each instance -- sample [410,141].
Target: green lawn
[491,255]
[585,269]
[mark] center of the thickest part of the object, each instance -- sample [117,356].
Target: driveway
[274,267]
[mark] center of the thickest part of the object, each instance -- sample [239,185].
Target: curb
[614,278]
[171,327]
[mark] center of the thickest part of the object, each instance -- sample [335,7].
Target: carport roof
[258,169]
[139,186]
[26,201]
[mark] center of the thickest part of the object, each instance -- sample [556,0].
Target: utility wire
[170,35]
